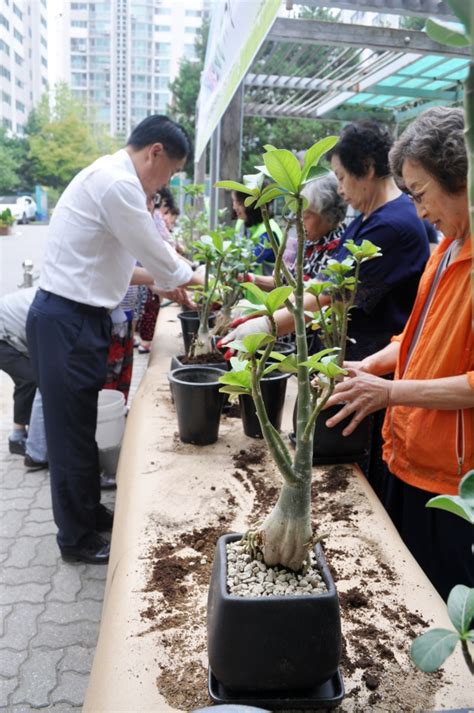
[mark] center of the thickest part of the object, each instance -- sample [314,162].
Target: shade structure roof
[313,69]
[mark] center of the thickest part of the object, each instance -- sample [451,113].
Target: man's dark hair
[362,146]
[159,128]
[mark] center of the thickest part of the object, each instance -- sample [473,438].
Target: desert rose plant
[286,534]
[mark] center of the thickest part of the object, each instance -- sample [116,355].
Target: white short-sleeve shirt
[98,230]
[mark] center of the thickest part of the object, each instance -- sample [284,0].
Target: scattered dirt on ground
[377,627]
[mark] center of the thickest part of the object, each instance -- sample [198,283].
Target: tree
[9,175]
[61,142]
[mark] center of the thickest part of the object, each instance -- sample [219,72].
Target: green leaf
[313,155]
[254,180]
[269,147]
[238,364]
[249,200]
[268,196]
[429,651]
[315,172]
[253,342]
[462,8]
[233,186]
[241,379]
[259,294]
[234,390]
[461,607]
[284,168]
[288,365]
[277,297]
[446,33]
[453,504]
[466,488]
[470,635]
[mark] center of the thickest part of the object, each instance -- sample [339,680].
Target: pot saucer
[326,695]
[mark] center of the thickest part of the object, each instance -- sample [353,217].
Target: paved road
[49,610]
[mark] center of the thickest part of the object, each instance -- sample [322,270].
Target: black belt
[78,306]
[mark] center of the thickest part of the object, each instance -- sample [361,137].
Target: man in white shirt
[100,226]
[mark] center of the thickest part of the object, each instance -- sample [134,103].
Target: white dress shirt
[99,228]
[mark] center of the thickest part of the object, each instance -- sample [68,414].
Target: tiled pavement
[50,610]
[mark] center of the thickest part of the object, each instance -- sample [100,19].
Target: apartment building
[119,57]
[23,60]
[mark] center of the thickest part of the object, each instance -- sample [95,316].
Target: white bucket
[110,418]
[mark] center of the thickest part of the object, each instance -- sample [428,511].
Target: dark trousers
[440,542]
[68,344]
[18,367]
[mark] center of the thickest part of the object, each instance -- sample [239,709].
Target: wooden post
[230,148]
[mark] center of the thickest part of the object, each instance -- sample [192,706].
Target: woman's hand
[361,394]
[241,327]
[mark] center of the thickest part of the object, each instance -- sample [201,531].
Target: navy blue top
[388,284]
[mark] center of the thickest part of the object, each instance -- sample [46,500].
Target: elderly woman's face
[446,211]
[355,191]
[315,225]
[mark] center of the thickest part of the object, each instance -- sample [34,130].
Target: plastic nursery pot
[330,446]
[190,325]
[273,391]
[198,403]
[262,649]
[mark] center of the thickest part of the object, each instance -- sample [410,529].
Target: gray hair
[323,198]
[435,140]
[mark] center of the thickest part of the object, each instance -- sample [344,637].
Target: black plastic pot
[176,363]
[276,648]
[190,325]
[330,446]
[198,403]
[273,392]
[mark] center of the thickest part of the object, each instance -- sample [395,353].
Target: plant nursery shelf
[174,500]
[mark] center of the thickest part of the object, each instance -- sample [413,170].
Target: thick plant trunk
[203,342]
[286,532]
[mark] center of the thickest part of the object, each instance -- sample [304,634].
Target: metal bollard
[28,277]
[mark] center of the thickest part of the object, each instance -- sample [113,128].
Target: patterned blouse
[317,253]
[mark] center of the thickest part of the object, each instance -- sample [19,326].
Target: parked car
[23,208]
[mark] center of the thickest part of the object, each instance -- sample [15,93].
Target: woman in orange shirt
[428,428]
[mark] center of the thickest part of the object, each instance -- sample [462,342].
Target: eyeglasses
[416,196]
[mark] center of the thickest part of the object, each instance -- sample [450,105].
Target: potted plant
[194,221]
[289,647]
[6,221]
[210,250]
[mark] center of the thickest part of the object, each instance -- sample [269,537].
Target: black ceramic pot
[189,326]
[273,646]
[330,446]
[198,403]
[273,392]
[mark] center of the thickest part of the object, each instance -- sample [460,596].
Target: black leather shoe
[31,464]
[107,482]
[104,519]
[17,448]
[95,550]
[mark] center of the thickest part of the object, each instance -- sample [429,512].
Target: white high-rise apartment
[119,57]
[23,60]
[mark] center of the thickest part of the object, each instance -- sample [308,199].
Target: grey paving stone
[33,593]
[64,613]
[22,552]
[5,544]
[21,575]
[10,662]
[47,551]
[20,493]
[38,677]
[15,503]
[93,589]
[5,611]
[38,529]
[77,658]
[21,626]
[39,515]
[66,582]
[72,688]
[7,686]
[11,523]
[54,635]
[43,497]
